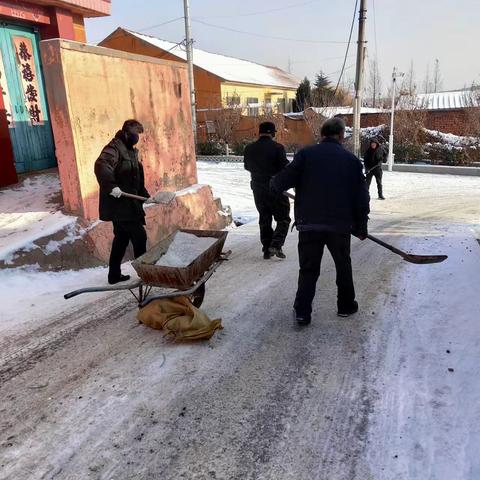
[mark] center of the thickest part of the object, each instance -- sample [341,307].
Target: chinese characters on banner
[4,92]
[28,74]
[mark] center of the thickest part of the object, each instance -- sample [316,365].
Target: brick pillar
[61,25]
[8,174]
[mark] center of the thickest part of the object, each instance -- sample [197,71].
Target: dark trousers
[124,233]
[310,252]
[378,174]
[271,206]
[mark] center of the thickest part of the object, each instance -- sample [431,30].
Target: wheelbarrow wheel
[198,296]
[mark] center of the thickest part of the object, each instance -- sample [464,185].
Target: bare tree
[409,84]
[437,77]
[427,83]
[374,83]
[472,101]
[225,121]
[409,127]
[314,120]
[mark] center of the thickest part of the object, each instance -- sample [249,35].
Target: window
[252,105]
[281,105]
[210,127]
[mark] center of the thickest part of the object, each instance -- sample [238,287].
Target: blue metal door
[30,128]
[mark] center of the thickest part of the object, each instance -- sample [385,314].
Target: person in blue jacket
[331,204]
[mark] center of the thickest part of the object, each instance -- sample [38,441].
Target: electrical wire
[348,48]
[266,36]
[294,62]
[263,12]
[161,24]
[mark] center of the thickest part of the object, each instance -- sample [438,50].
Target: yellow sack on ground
[178,317]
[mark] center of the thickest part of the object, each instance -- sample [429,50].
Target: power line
[266,36]
[160,24]
[338,71]
[348,48]
[320,60]
[263,12]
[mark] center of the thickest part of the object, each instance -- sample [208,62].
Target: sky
[399,32]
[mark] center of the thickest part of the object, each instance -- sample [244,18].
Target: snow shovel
[409,257]
[162,197]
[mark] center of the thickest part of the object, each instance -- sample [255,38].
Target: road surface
[389,394]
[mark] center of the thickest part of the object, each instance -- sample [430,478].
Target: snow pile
[184,249]
[450,139]
[230,182]
[367,132]
[29,212]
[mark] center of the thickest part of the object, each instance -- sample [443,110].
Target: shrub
[210,147]
[238,147]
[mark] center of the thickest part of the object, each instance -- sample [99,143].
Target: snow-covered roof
[228,68]
[441,100]
[332,111]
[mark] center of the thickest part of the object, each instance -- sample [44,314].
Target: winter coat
[373,157]
[330,190]
[264,158]
[119,166]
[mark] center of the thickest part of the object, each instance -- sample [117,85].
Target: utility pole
[359,76]
[390,160]
[189,47]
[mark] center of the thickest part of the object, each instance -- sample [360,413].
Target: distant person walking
[263,159]
[373,159]
[331,203]
[119,170]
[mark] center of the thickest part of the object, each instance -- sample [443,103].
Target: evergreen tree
[304,95]
[322,82]
[322,93]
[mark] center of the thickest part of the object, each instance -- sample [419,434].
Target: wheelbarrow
[173,281]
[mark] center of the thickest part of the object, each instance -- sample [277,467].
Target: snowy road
[390,394]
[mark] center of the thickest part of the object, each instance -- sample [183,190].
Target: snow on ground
[29,212]
[230,182]
[390,394]
[29,297]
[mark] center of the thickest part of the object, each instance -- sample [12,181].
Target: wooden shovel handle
[135,197]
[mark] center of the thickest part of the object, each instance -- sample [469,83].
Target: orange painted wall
[91,91]
[79,29]
[207,85]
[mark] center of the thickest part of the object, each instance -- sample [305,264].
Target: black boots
[346,312]
[277,252]
[302,320]
[121,278]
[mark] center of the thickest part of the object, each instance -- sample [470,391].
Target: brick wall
[297,132]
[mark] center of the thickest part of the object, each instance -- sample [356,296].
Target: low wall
[91,92]
[194,208]
[220,158]
[441,169]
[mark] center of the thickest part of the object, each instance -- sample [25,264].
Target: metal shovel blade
[424,259]
[409,257]
[164,197]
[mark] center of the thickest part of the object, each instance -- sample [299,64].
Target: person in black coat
[263,159]
[373,159]
[119,170]
[331,203]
